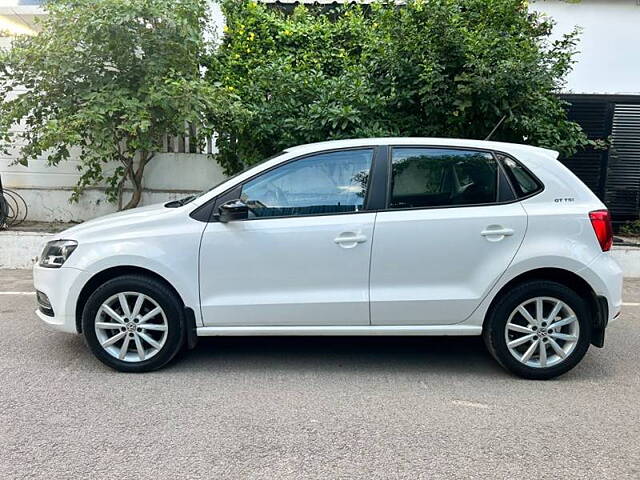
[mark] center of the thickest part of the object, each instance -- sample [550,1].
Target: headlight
[56,253]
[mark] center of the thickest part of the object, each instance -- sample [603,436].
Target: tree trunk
[121,189]
[136,180]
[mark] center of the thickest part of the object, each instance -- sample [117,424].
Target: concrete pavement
[290,408]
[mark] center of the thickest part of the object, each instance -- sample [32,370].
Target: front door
[447,236]
[302,257]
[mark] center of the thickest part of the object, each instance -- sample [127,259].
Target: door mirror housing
[233,210]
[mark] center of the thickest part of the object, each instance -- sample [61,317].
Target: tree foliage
[111,78]
[448,68]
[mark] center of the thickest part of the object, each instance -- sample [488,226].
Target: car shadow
[434,358]
[444,355]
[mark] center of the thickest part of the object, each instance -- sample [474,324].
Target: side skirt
[417,330]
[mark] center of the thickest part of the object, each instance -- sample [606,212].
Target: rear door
[450,229]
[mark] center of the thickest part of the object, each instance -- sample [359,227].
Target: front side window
[326,183]
[438,177]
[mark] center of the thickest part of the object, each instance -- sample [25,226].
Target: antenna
[496,127]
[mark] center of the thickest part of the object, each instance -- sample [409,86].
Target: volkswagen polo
[388,236]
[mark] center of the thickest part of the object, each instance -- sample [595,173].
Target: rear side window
[435,177]
[524,183]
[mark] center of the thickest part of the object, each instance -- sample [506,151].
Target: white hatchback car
[386,236]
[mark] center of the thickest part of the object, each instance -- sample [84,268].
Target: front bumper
[62,286]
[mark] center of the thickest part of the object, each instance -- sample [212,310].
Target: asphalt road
[291,408]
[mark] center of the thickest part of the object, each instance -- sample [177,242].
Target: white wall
[47,189]
[165,171]
[609,61]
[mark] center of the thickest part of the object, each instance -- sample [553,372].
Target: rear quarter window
[523,181]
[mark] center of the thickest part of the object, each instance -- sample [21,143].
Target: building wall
[609,61]
[47,190]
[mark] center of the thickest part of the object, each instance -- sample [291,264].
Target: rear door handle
[497,232]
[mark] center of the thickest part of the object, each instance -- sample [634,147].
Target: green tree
[108,79]
[448,68]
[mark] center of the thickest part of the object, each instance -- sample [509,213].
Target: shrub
[631,229]
[448,68]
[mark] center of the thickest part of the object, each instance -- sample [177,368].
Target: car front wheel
[539,330]
[133,323]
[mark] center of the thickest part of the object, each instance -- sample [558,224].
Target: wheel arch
[597,305]
[105,275]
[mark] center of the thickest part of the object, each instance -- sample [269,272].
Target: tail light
[601,222]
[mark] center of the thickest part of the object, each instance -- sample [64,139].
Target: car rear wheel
[539,330]
[134,323]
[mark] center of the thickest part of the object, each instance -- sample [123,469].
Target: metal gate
[623,178]
[613,174]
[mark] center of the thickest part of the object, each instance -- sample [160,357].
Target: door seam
[373,233]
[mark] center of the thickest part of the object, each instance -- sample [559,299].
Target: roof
[512,148]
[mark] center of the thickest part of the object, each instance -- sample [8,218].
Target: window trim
[501,172]
[379,187]
[375,159]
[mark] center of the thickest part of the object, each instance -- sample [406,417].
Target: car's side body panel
[164,241]
[286,271]
[602,274]
[349,330]
[434,266]
[560,235]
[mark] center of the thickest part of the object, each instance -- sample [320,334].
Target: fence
[187,143]
[612,174]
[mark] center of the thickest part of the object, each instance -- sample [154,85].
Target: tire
[503,345]
[154,336]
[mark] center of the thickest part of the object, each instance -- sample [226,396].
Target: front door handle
[349,239]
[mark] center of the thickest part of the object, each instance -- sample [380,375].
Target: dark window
[435,177]
[524,183]
[327,183]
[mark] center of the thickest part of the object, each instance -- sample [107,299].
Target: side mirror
[233,210]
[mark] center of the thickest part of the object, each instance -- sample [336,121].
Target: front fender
[184,281]
[173,255]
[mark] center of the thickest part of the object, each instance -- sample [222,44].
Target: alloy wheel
[542,332]
[131,326]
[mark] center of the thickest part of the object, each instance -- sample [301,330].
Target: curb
[629,260]
[19,248]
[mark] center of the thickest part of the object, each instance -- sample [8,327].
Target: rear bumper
[605,277]
[62,286]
